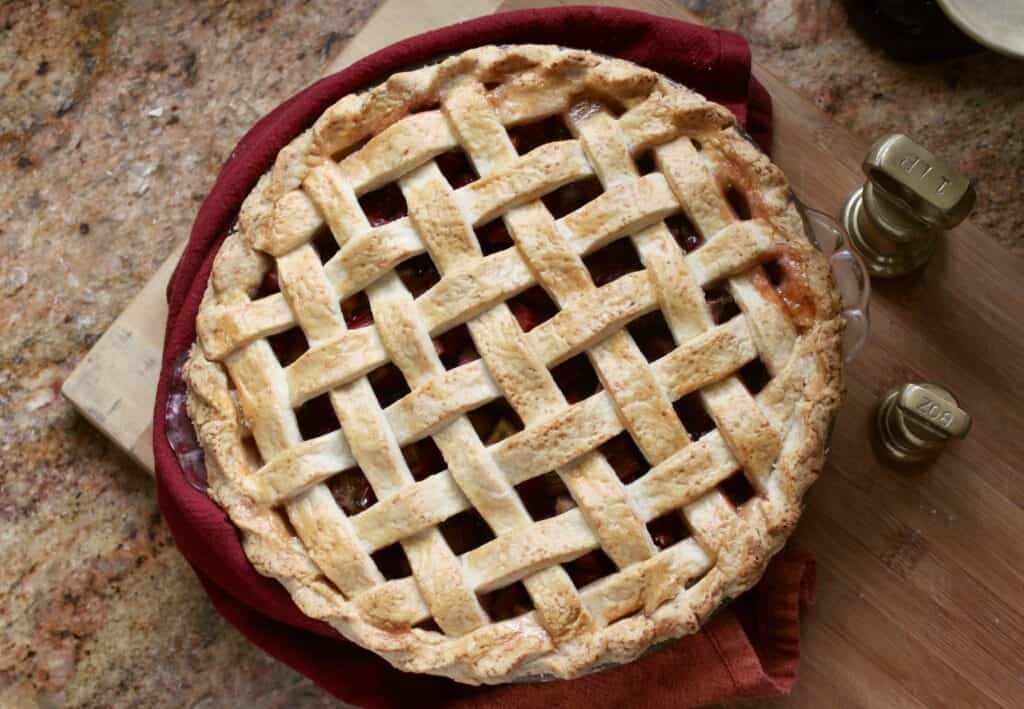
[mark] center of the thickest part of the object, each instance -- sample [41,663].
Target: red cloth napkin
[750,649]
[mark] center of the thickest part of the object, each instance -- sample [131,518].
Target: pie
[516,365]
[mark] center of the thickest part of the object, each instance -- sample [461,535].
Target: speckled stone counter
[114,120]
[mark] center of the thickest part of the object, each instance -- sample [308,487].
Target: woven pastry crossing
[709,219]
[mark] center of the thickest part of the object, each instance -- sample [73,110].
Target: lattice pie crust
[658,153]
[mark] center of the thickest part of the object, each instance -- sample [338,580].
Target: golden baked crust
[271,482]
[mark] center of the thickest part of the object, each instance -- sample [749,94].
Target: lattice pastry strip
[396,134]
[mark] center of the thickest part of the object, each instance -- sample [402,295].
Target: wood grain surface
[920,570]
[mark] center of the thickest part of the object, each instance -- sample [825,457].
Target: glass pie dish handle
[850,273]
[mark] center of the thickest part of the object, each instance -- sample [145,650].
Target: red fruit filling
[356,310]
[571,197]
[325,244]
[667,530]
[507,602]
[576,378]
[694,417]
[625,457]
[383,205]
[419,274]
[392,562]
[785,279]
[720,301]
[531,135]
[455,347]
[755,376]
[532,307]
[316,417]
[269,285]
[456,168]
[737,489]
[388,384]
[652,336]
[589,568]
[613,261]
[684,232]
[351,490]
[289,345]
[493,236]
[423,458]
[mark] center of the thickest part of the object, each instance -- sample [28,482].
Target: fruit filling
[456,168]
[493,237]
[569,198]
[625,457]
[507,602]
[684,232]
[531,135]
[784,278]
[613,261]
[383,205]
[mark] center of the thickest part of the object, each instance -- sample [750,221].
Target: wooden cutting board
[920,573]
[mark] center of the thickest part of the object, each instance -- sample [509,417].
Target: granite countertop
[114,119]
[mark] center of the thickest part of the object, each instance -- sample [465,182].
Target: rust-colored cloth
[750,649]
